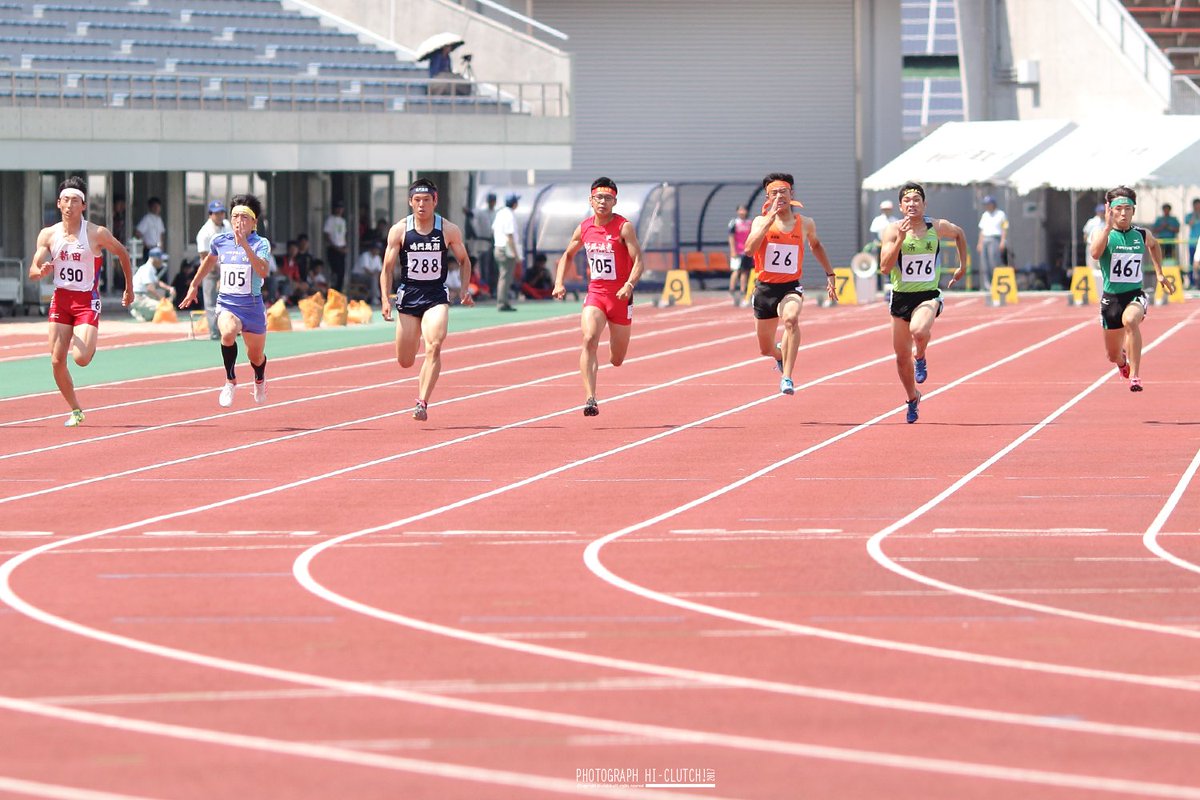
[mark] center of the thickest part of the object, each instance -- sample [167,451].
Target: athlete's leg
[766,330]
[256,344]
[1114,341]
[433,330]
[229,326]
[83,344]
[408,339]
[592,322]
[789,312]
[618,343]
[902,343]
[921,326]
[1132,319]
[60,343]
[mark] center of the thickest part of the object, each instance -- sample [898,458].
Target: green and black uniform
[916,274]
[1121,266]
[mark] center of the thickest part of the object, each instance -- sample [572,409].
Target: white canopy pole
[1074,232]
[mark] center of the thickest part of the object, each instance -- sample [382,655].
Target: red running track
[709,583]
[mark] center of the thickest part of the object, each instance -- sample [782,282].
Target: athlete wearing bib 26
[909,254]
[419,244]
[614,259]
[71,250]
[1120,250]
[777,239]
[244,259]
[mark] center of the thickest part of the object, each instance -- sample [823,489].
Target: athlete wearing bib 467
[419,244]
[614,259]
[244,260]
[909,254]
[71,250]
[1120,250]
[776,241]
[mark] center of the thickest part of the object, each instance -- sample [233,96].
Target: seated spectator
[366,271]
[187,271]
[149,287]
[318,281]
[538,283]
[289,271]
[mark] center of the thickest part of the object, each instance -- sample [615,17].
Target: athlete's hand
[831,288]
[240,237]
[188,298]
[1168,283]
[465,297]
[956,277]
[387,311]
[905,225]
[560,292]
[39,271]
[127,297]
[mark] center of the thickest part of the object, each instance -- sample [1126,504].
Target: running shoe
[912,415]
[260,391]
[1135,384]
[590,409]
[75,420]
[786,386]
[778,361]
[421,411]
[226,398]
[1124,368]
[920,370]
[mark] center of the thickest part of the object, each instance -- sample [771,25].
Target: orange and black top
[780,257]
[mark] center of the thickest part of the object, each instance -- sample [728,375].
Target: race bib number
[782,258]
[95,305]
[917,268]
[70,276]
[602,266]
[235,279]
[1125,268]
[424,266]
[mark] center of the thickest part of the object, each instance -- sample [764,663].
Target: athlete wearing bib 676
[71,250]
[909,254]
[1120,250]
[419,243]
[244,259]
[614,266]
[776,241]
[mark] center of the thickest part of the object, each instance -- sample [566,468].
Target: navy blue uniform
[422,269]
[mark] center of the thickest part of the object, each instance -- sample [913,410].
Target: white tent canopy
[969,153]
[1155,151]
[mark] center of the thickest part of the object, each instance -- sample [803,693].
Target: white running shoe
[260,391]
[226,398]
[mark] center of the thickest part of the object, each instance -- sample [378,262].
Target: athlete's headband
[772,186]
[420,190]
[1121,201]
[244,210]
[71,191]
[606,190]
[913,190]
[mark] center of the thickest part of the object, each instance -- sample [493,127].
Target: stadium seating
[1175,28]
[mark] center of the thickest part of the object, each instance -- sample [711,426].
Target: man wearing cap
[149,287]
[336,245]
[71,251]
[215,225]
[887,215]
[507,250]
[993,239]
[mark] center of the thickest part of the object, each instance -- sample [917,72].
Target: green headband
[1121,201]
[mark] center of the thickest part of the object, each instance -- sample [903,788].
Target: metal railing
[168,92]
[499,10]
[1133,41]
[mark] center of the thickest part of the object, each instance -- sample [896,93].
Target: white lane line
[59,792]
[875,543]
[1030,531]
[324,752]
[1150,538]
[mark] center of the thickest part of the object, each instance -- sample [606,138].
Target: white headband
[70,191]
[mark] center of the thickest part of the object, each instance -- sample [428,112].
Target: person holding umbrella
[436,50]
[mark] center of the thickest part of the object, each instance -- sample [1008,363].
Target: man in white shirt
[506,249]
[993,239]
[216,224]
[150,228]
[148,286]
[367,269]
[1094,223]
[336,245]
[887,215]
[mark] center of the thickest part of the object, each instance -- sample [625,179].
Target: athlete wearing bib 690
[776,241]
[419,244]
[244,259]
[1120,250]
[71,251]
[909,254]
[614,259]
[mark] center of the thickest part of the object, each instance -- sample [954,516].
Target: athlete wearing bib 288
[614,259]
[419,244]
[777,239]
[909,254]
[71,250]
[1120,250]
[244,260]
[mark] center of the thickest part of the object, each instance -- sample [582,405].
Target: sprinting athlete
[1120,249]
[909,254]
[614,259]
[419,242]
[71,250]
[777,239]
[244,259]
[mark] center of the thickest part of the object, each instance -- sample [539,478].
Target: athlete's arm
[948,230]
[41,265]
[560,289]
[206,265]
[104,238]
[1155,249]
[390,256]
[454,240]
[1099,241]
[629,236]
[259,264]
[889,249]
[758,232]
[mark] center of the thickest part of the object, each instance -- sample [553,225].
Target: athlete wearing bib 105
[422,269]
[1121,251]
[241,286]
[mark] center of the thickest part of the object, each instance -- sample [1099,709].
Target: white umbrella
[436,42]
